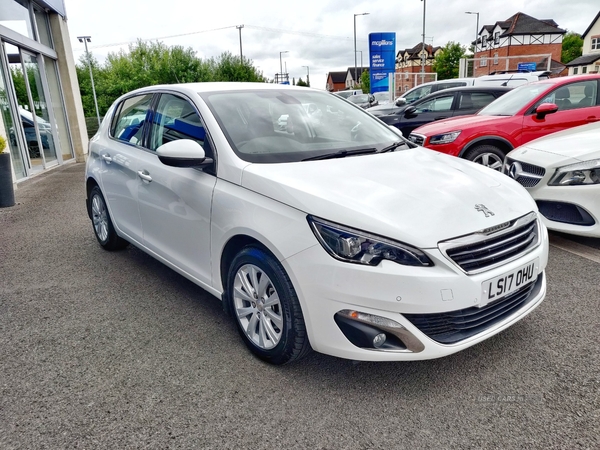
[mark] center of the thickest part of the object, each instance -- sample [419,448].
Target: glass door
[32,109]
[39,108]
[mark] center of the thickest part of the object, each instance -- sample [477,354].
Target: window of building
[496,37]
[14,14]
[596,43]
[575,70]
[496,58]
[43,29]
[584,69]
[483,62]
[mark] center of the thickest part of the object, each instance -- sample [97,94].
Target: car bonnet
[416,196]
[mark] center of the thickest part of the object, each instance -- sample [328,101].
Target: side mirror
[400,101]
[182,153]
[544,109]
[410,111]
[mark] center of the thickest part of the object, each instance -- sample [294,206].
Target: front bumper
[391,292]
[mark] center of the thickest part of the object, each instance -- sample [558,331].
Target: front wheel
[487,155]
[266,307]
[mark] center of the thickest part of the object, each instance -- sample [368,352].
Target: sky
[317,35]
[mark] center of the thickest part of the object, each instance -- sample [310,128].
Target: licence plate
[508,283]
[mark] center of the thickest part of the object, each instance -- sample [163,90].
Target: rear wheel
[266,307]
[487,155]
[103,226]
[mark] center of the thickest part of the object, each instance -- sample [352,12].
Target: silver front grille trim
[497,249]
[418,139]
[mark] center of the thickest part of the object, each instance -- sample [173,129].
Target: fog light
[379,340]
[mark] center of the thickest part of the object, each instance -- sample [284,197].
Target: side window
[438,104]
[128,122]
[176,118]
[417,94]
[474,100]
[573,96]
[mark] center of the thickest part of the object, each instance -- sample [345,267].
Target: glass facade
[34,117]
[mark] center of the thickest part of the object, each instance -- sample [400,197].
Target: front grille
[455,326]
[565,213]
[417,139]
[484,250]
[526,174]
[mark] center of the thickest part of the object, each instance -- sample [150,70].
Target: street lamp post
[307,75]
[85,40]
[361,14]
[424,52]
[239,27]
[281,64]
[476,30]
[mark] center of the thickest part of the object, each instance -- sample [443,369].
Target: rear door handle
[593,119]
[106,157]
[144,175]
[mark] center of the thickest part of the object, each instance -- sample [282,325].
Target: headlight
[578,174]
[354,246]
[445,138]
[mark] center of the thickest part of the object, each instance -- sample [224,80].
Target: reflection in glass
[40,106]
[16,17]
[41,21]
[7,130]
[58,107]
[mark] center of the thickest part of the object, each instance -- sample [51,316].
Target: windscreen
[286,125]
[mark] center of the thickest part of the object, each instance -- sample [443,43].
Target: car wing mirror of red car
[544,109]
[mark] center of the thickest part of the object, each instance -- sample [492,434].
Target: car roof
[223,86]
[462,89]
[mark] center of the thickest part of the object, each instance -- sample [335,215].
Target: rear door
[577,102]
[119,154]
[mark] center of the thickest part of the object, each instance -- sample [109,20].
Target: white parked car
[343,237]
[562,173]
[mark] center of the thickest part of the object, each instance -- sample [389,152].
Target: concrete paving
[114,350]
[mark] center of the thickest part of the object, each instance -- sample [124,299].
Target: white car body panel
[560,149]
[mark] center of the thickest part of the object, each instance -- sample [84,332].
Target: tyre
[102,223]
[487,155]
[266,308]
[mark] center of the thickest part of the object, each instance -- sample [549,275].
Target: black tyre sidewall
[293,333]
[481,149]
[113,241]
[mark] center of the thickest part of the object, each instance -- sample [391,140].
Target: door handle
[591,119]
[144,175]
[106,157]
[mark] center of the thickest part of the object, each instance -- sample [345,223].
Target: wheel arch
[90,184]
[503,144]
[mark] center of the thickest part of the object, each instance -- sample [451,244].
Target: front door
[175,202]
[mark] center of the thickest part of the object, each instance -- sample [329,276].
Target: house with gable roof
[522,37]
[409,61]
[589,61]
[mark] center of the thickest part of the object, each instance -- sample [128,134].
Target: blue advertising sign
[529,66]
[382,57]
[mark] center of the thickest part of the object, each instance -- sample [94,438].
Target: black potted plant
[7,190]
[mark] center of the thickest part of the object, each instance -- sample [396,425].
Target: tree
[447,61]
[365,81]
[572,47]
[301,83]
[151,63]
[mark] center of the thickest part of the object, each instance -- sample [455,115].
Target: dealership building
[40,104]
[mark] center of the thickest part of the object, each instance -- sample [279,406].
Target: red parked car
[527,112]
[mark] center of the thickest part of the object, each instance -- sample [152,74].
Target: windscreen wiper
[342,154]
[391,148]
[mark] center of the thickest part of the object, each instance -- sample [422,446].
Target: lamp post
[424,54]
[85,40]
[361,14]
[239,27]
[307,75]
[476,30]
[280,63]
